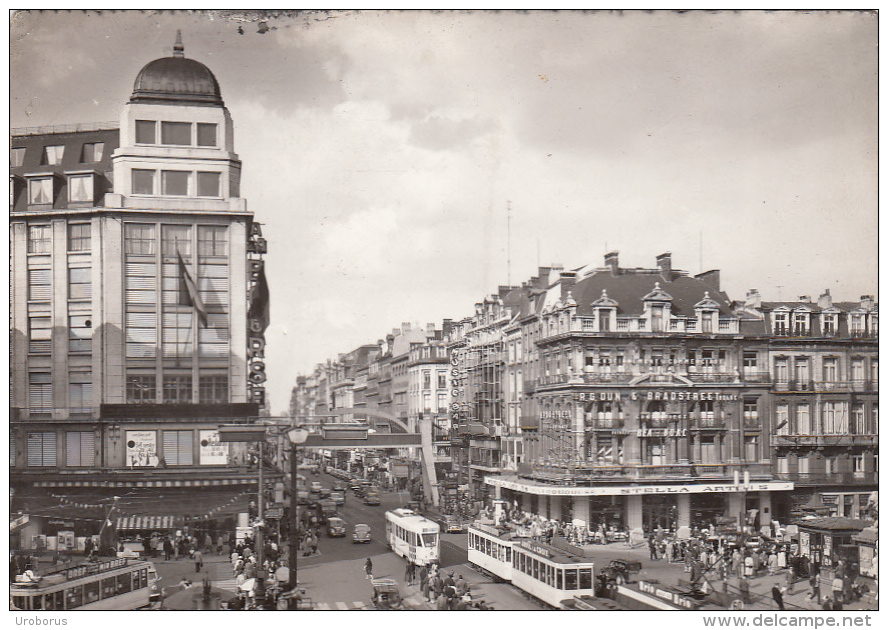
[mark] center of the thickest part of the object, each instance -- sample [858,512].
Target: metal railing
[69,128]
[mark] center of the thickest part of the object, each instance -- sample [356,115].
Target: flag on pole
[188,294]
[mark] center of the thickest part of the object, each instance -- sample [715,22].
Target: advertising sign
[212,451]
[141,448]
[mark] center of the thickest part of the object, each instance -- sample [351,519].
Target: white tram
[412,536]
[550,574]
[490,549]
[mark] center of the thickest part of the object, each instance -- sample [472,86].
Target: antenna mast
[509,243]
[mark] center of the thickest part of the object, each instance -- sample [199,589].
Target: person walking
[815,588]
[838,586]
[368,567]
[167,549]
[790,580]
[777,594]
[198,560]
[408,571]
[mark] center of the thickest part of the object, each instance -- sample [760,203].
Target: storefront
[821,538]
[647,507]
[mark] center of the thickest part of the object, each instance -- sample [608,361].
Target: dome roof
[176,80]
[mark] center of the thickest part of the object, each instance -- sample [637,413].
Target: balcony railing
[707,423]
[832,386]
[833,479]
[793,386]
[756,377]
[655,420]
[842,439]
[607,423]
[587,471]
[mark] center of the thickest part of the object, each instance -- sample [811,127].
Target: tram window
[109,587]
[428,540]
[471,540]
[586,578]
[91,592]
[73,597]
[570,579]
[559,579]
[535,569]
[21,602]
[124,583]
[54,601]
[508,554]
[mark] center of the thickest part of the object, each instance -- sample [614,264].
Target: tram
[551,574]
[412,536]
[118,584]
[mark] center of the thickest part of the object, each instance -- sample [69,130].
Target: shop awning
[161,523]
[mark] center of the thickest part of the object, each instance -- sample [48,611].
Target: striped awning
[129,523]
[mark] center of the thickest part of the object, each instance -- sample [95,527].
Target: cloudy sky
[382,149]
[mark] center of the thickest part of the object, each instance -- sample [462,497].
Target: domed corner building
[131,256]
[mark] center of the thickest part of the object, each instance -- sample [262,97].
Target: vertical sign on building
[258,315]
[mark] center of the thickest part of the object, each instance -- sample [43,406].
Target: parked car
[338,498]
[361,534]
[335,527]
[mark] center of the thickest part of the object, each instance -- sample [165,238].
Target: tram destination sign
[673,598]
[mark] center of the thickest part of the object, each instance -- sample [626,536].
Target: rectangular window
[208,184]
[39,287]
[80,283]
[858,419]
[781,420]
[426,379]
[141,389]
[829,325]
[92,152]
[38,239]
[803,465]
[212,240]
[206,134]
[177,337]
[178,448]
[800,323]
[177,389]
[830,370]
[442,379]
[857,326]
[803,419]
[40,335]
[177,240]
[874,372]
[781,323]
[146,132]
[79,239]
[80,392]
[803,374]
[42,449]
[40,392]
[16,156]
[782,466]
[178,133]
[857,463]
[213,389]
[52,155]
[40,191]
[80,334]
[835,418]
[752,449]
[143,181]
[442,402]
[175,183]
[81,189]
[750,360]
[750,412]
[139,239]
[781,370]
[80,448]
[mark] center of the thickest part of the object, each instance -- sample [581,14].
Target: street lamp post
[296,436]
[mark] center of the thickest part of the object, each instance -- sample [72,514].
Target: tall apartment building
[131,258]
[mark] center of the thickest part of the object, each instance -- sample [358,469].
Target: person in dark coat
[777,595]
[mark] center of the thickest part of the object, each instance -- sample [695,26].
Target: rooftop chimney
[711,277]
[753,298]
[664,262]
[612,260]
[430,328]
[867,302]
[825,300]
[405,326]
[568,280]
[804,298]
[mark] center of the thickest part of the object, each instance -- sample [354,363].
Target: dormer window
[92,152]
[781,323]
[40,190]
[52,155]
[16,156]
[81,188]
[800,323]
[830,324]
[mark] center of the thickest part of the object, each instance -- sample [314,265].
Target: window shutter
[42,449]
[39,284]
[80,448]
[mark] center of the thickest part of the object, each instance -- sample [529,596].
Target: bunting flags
[188,293]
